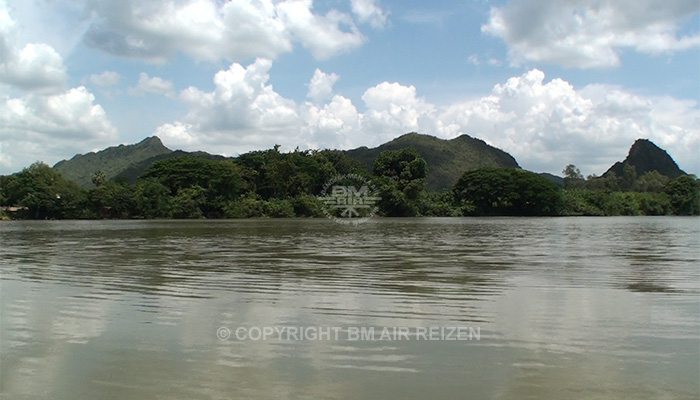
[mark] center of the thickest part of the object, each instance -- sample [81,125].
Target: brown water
[564,308]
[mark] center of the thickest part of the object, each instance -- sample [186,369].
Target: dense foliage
[279,185]
[492,191]
[400,178]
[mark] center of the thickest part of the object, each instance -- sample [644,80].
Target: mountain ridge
[112,160]
[447,159]
[645,156]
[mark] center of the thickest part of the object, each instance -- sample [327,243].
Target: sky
[552,82]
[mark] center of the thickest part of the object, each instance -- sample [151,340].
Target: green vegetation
[400,177]
[650,194]
[43,193]
[492,191]
[447,159]
[281,185]
[111,161]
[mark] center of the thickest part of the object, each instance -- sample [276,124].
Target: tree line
[270,183]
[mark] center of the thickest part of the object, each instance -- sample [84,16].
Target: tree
[684,195]
[45,193]
[572,176]
[112,200]
[152,199]
[218,181]
[629,177]
[510,191]
[400,177]
[98,177]
[188,202]
[651,181]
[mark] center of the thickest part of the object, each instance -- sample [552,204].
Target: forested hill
[447,160]
[644,156]
[111,161]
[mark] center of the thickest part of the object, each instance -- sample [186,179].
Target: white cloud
[475,60]
[242,112]
[36,66]
[58,23]
[44,126]
[33,66]
[213,30]
[544,125]
[335,125]
[367,11]
[548,125]
[321,85]
[153,85]
[107,78]
[590,34]
[325,36]
[393,108]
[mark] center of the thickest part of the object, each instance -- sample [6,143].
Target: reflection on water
[567,308]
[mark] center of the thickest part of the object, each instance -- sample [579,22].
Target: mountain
[645,156]
[111,161]
[447,160]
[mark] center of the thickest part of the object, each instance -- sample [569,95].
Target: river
[438,308]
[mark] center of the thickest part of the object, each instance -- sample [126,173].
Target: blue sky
[550,81]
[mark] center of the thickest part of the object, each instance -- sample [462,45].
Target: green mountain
[111,161]
[645,156]
[447,160]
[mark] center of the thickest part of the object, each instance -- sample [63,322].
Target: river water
[539,308]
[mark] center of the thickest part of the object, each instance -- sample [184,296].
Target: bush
[248,206]
[278,208]
[306,205]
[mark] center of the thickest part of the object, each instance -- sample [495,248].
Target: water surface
[585,308]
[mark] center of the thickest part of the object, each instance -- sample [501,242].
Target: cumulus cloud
[212,30]
[154,85]
[367,11]
[333,125]
[242,112]
[324,36]
[590,34]
[392,108]
[30,67]
[43,126]
[107,78]
[543,124]
[36,66]
[548,125]
[321,85]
